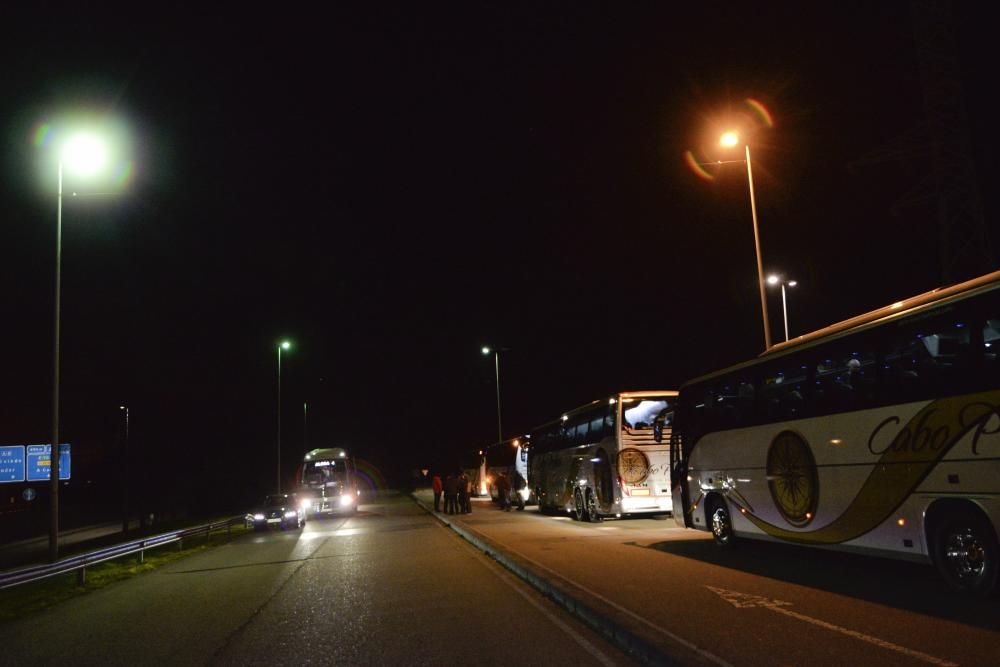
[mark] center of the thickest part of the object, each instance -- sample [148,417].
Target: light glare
[729,139]
[85,154]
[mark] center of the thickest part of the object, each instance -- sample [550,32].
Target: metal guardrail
[81,562]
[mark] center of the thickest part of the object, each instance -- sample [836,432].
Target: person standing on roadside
[450,493]
[438,488]
[519,485]
[463,492]
[503,492]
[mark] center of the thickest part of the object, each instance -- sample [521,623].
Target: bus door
[679,483]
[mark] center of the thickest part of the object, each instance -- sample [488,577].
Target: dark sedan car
[279,509]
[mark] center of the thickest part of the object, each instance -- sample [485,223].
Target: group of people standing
[457,491]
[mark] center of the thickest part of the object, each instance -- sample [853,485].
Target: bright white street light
[775,279]
[85,154]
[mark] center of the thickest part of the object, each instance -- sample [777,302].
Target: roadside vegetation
[25,599]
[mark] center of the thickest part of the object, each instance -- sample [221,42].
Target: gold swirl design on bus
[905,460]
[633,466]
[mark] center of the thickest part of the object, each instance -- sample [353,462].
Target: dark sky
[394,185]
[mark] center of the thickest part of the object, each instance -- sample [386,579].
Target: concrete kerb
[625,640]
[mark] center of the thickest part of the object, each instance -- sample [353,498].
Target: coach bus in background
[327,482]
[509,457]
[607,458]
[879,434]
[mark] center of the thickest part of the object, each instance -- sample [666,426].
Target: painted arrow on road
[747,601]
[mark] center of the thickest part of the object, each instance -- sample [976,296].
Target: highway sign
[11,463]
[39,458]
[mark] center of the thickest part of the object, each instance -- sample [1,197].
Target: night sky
[394,185]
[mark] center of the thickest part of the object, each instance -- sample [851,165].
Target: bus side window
[785,393]
[845,380]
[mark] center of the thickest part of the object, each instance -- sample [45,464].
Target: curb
[625,640]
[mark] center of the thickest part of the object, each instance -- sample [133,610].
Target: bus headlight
[258,517]
[345,501]
[306,503]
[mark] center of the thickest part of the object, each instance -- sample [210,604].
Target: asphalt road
[760,604]
[388,586]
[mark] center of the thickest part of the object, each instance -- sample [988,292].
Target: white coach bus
[607,458]
[880,434]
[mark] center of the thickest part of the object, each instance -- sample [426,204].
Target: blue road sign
[39,459]
[11,463]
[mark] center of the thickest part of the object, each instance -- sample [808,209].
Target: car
[283,510]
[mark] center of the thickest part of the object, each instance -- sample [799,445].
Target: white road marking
[710,657]
[515,584]
[746,601]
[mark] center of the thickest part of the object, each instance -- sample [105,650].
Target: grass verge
[20,601]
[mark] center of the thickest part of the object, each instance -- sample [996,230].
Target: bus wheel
[721,523]
[578,511]
[966,553]
[593,513]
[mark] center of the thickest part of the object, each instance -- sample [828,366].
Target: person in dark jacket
[438,489]
[450,494]
[463,493]
[518,486]
[503,492]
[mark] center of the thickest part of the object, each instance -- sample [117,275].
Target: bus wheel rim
[965,554]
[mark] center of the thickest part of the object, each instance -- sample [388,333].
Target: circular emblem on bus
[633,466]
[792,478]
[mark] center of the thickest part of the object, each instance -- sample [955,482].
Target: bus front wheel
[721,523]
[966,552]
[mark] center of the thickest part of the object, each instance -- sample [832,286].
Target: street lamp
[125,480]
[730,139]
[83,154]
[496,358]
[778,280]
[283,345]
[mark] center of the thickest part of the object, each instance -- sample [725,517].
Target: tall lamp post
[125,480]
[283,345]
[83,154]
[778,280]
[730,139]
[496,359]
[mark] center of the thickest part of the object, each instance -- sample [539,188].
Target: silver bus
[879,434]
[608,458]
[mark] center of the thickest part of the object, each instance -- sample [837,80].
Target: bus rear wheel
[578,512]
[966,553]
[593,512]
[721,523]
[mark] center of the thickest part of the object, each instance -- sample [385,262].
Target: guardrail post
[142,552]
[180,544]
[81,576]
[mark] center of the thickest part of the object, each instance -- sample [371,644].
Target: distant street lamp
[86,155]
[283,345]
[125,479]
[730,139]
[776,280]
[496,358]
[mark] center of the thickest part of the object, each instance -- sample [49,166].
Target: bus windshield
[325,473]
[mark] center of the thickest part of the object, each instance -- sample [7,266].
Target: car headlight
[306,503]
[345,501]
[258,517]
[291,515]
[525,493]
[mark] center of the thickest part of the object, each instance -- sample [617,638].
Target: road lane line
[711,657]
[747,601]
[599,655]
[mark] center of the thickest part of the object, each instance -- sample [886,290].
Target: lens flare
[763,116]
[695,165]
[42,135]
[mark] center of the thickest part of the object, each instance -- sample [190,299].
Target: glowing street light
[83,154]
[778,280]
[283,345]
[728,140]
